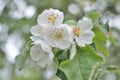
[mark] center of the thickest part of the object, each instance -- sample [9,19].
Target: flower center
[52,18]
[77,31]
[58,34]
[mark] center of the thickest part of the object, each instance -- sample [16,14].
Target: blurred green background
[18,16]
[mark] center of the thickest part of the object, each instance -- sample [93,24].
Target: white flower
[83,32]
[41,53]
[51,17]
[58,36]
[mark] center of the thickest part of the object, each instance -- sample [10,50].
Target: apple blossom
[51,17]
[59,36]
[83,32]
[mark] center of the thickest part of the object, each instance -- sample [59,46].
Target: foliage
[95,61]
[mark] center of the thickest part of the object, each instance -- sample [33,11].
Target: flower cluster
[51,32]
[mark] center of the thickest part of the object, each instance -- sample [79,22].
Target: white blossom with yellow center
[51,17]
[83,32]
[58,36]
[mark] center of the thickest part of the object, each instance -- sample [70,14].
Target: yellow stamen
[58,35]
[77,31]
[52,18]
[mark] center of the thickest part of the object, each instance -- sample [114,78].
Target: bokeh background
[18,16]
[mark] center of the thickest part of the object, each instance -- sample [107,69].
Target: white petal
[36,52]
[87,37]
[68,32]
[44,25]
[48,36]
[85,24]
[45,47]
[39,55]
[79,42]
[56,19]
[44,61]
[36,30]
[35,38]
[63,44]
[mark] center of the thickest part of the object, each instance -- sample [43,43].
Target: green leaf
[71,22]
[82,66]
[100,42]
[21,58]
[100,38]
